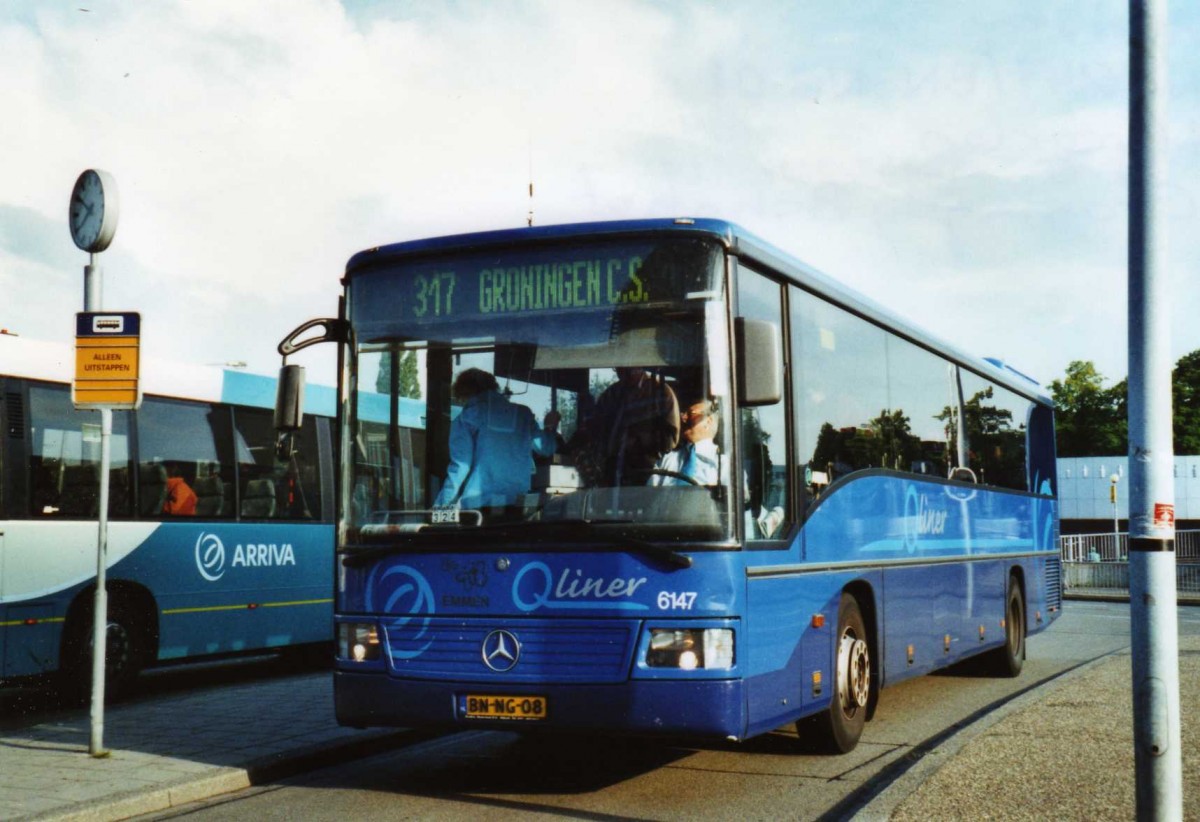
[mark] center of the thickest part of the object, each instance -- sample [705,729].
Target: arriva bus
[880,504]
[214,545]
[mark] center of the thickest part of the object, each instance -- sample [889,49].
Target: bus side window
[65,461]
[183,450]
[270,488]
[764,431]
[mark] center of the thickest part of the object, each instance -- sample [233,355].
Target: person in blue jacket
[492,443]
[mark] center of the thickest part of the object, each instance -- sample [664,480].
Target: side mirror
[289,399]
[759,362]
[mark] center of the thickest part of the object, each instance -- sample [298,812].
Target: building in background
[1085,488]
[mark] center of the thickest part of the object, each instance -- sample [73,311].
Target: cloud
[920,158]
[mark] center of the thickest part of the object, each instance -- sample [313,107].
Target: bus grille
[16,416]
[558,651]
[1054,582]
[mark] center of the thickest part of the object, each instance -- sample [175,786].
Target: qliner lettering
[578,284]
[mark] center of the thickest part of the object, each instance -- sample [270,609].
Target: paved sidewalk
[1063,750]
[177,749]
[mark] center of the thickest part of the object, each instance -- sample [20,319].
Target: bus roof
[739,242]
[55,362]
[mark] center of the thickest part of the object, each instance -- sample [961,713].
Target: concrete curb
[1097,595]
[224,779]
[925,763]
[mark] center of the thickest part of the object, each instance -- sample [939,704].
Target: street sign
[107,360]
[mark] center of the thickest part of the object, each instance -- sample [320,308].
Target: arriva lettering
[260,555]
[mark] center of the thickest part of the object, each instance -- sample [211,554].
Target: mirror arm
[332,330]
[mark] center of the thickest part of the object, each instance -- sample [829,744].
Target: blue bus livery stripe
[240,388]
[865,565]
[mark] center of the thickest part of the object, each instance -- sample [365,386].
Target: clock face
[92,215]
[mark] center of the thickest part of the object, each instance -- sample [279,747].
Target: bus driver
[696,458]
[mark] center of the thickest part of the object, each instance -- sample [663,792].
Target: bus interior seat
[80,491]
[152,488]
[210,496]
[259,499]
[118,492]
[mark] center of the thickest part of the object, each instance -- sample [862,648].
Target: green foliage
[892,444]
[1185,397]
[885,441]
[409,385]
[996,446]
[1089,418]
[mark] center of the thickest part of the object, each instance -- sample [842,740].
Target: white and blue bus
[884,504]
[215,545]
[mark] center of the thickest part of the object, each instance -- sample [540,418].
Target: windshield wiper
[661,553]
[653,550]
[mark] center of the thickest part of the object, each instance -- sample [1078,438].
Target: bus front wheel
[125,650]
[837,729]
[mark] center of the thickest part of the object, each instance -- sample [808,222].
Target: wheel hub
[117,642]
[854,674]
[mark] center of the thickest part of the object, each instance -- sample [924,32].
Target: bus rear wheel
[1008,659]
[837,729]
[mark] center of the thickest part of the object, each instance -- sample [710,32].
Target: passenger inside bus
[635,421]
[181,499]
[492,443]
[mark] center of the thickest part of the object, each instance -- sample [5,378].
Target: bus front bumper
[704,708]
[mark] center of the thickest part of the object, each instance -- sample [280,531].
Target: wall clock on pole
[93,212]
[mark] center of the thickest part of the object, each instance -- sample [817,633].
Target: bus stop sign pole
[92,220]
[1152,596]
[92,291]
[106,378]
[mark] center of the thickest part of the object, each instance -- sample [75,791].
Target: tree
[1185,397]
[1089,419]
[409,384]
[996,448]
[892,444]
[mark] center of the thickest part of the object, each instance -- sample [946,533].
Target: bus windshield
[551,394]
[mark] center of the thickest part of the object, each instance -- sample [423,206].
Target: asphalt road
[501,775]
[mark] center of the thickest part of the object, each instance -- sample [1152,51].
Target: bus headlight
[690,648]
[358,641]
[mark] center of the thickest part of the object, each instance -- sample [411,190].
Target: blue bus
[883,505]
[215,545]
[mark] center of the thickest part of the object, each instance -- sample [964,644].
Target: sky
[964,164]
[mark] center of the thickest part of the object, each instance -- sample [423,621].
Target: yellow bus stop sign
[106,360]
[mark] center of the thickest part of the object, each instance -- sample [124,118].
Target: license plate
[483,706]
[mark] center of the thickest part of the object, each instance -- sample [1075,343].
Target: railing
[1100,561]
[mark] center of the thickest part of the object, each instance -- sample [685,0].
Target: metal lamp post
[1112,497]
